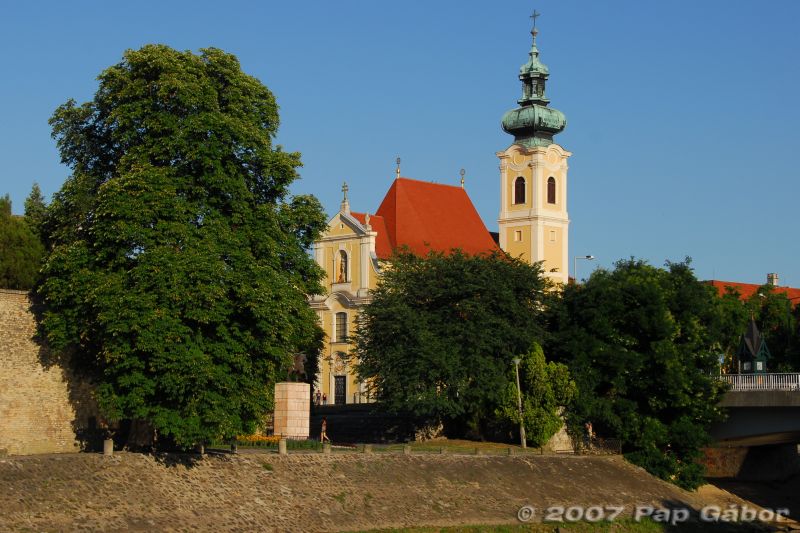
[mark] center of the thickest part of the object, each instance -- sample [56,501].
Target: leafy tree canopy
[441,331]
[778,321]
[35,209]
[776,318]
[21,250]
[638,342]
[177,270]
[729,324]
[547,389]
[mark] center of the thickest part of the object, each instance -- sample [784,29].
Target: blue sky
[682,116]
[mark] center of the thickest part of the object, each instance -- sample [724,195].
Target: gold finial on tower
[397,172]
[462,172]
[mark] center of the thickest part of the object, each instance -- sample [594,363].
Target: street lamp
[517,361]
[575,264]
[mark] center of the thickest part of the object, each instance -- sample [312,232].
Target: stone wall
[308,492]
[774,462]
[723,462]
[292,404]
[42,408]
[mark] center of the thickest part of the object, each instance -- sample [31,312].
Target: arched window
[551,190]
[341,277]
[519,190]
[341,327]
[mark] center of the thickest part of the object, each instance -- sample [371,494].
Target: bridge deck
[762,382]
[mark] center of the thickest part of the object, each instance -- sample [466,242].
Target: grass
[621,526]
[453,446]
[447,446]
[625,525]
[303,445]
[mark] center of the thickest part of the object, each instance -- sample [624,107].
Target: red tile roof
[746,290]
[383,248]
[429,216]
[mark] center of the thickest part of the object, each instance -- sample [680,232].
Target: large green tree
[440,334]
[638,341]
[729,325]
[177,270]
[35,209]
[546,390]
[776,318]
[21,250]
[778,322]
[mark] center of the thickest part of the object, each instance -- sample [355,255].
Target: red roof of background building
[746,290]
[428,216]
[382,247]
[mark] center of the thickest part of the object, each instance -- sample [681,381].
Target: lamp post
[575,264]
[517,361]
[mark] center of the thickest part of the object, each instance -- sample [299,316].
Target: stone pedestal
[108,447]
[292,410]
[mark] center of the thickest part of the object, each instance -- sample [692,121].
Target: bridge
[762,428]
[762,409]
[762,382]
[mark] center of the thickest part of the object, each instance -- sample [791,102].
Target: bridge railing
[751,382]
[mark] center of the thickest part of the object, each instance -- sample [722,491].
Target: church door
[340,390]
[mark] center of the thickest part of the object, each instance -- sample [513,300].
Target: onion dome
[533,123]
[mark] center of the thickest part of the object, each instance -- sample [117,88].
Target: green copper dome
[534,66]
[533,123]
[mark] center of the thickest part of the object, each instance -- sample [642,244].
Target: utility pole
[575,264]
[517,361]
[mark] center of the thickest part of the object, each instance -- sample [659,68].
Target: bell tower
[533,222]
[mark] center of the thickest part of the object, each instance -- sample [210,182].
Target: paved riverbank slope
[311,492]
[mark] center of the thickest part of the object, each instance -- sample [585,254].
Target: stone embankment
[43,407]
[311,492]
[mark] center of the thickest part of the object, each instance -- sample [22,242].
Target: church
[533,225]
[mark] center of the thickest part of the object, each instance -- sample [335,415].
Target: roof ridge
[723,282]
[430,183]
[362,213]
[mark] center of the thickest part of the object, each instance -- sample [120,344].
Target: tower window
[341,277]
[519,190]
[518,235]
[341,327]
[551,190]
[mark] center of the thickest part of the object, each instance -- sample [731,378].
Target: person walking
[323,434]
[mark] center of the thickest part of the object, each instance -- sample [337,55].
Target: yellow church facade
[533,224]
[347,254]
